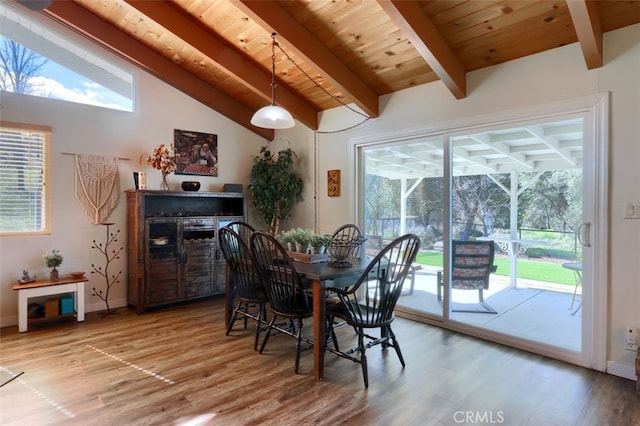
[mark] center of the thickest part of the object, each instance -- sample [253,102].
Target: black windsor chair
[370,301]
[249,291]
[243,229]
[287,296]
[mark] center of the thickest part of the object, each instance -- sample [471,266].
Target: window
[39,60]
[24,206]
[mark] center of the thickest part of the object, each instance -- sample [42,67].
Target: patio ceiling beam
[422,157]
[462,155]
[396,170]
[539,133]
[503,148]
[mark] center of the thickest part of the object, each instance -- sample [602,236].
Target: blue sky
[59,82]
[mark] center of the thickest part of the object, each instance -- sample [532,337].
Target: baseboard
[621,370]
[100,305]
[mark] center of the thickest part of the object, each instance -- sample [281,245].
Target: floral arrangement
[53,259]
[163,158]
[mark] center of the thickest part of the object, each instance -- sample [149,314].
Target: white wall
[556,75]
[90,130]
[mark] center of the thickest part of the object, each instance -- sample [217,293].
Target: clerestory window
[37,60]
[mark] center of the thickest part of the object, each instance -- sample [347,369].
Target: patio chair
[249,291]
[370,302]
[472,264]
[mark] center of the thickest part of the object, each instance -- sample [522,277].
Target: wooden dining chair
[249,291]
[369,303]
[288,298]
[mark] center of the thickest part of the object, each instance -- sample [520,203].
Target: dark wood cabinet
[172,245]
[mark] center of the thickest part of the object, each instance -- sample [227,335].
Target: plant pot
[317,250]
[54,275]
[302,248]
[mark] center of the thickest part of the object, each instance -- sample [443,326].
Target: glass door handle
[584,232]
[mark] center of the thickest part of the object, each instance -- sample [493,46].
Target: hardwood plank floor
[176,366]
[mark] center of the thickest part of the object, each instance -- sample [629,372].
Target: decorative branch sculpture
[109,257]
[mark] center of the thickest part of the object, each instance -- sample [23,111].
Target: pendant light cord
[335,98]
[273,67]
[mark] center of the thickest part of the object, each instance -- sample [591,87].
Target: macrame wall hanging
[97,186]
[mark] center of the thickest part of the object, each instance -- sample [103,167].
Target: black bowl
[190,185]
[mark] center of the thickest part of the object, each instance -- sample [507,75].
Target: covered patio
[534,310]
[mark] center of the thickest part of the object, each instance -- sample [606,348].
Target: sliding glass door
[403,192]
[524,188]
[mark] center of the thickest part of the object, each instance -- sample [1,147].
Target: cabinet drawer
[198,279]
[199,268]
[163,269]
[199,258]
[161,291]
[200,290]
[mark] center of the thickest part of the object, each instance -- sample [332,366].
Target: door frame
[595,110]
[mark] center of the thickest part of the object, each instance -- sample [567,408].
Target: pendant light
[273,116]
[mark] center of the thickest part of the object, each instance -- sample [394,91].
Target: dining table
[318,277]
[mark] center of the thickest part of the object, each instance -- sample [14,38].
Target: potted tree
[275,186]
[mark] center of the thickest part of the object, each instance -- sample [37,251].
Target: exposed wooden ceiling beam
[587,25]
[424,36]
[230,61]
[273,18]
[105,34]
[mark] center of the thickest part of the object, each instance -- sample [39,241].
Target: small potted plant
[287,239]
[319,243]
[303,240]
[53,260]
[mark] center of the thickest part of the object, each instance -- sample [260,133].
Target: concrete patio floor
[534,310]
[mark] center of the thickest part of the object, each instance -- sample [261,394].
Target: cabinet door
[199,266]
[162,280]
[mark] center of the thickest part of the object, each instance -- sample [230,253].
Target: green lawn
[527,269]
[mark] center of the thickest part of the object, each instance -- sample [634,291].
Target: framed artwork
[333,183]
[196,153]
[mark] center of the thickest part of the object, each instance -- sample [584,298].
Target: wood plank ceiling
[342,52]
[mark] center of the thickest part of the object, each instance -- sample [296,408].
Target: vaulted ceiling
[338,52]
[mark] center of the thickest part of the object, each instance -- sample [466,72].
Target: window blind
[23,166]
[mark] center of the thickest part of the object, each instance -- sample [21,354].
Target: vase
[54,274]
[164,186]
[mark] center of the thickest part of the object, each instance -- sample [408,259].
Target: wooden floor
[176,367]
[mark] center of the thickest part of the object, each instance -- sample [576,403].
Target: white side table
[48,288]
